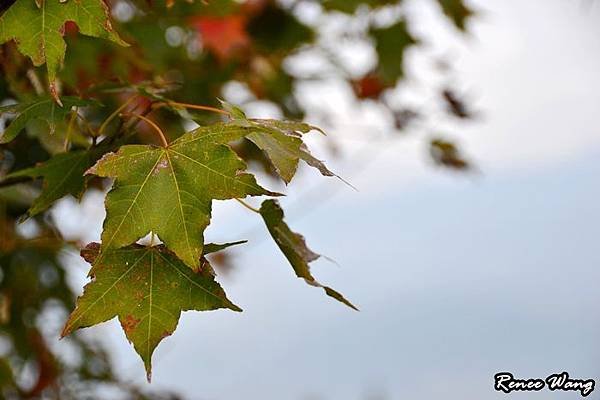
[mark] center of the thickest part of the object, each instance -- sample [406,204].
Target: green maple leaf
[391,43]
[44,109]
[38,31]
[169,191]
[147,288]
[293,246]
[63,174]
[282,143]
[280,140]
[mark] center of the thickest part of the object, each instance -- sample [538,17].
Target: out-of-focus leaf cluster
[35,297]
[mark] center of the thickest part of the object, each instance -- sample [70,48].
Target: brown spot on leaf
[165,334]
[90,252]
[161,165]
[130,323]
[92,170]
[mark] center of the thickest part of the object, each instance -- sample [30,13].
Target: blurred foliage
[33,291]
[192,52]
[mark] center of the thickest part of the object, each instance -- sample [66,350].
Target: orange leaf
[225,37]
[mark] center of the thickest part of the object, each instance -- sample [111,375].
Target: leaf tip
[347,183]
[67,329]
[339,297]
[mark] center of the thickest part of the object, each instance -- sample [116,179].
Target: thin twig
[115,114]
[163,139]
[248,206]
[198,107]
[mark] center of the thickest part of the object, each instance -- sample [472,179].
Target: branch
[153,124]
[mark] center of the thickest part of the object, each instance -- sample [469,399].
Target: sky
[458,277]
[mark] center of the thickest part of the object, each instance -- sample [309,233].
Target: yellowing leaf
[293,246]
[38,31]
[169,191]
[147,288]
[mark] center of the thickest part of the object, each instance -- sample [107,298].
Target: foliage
[117,112]
[37,29]
[147,288]
[294,248]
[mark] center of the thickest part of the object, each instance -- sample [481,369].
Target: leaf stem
[197,107]
[153,124]
[115,113]
[248,206]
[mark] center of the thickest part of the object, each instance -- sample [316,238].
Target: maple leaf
[169,191]
[63,174]
[223,36]
[280,140]
[38,31]
[43,109]
[293,246]
[147,288]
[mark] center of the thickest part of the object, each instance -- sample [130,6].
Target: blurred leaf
[6,375]
[369,86]
[293,246]
[44,109]
[63,174]
[277,30]
[457,11]
[404,117]
[455,105]
[390,44]
[225,36]
[446,154]
[147,288]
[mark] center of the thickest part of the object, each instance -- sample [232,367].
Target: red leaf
[369,87]
[225,37]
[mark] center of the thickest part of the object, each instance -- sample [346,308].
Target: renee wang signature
[506,382]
